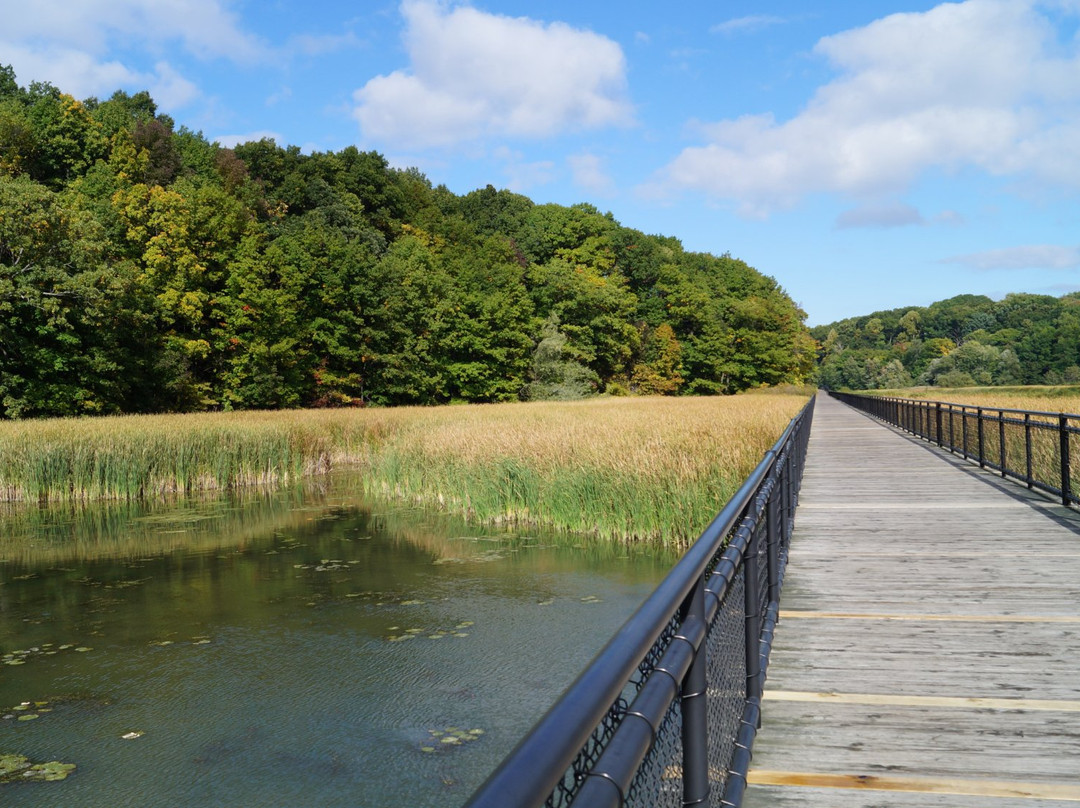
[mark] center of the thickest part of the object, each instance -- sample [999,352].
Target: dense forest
[146,269]
[959,342]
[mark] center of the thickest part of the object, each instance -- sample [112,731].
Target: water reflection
[301,648]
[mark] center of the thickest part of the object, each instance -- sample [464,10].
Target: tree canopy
[145,269]
[963,341]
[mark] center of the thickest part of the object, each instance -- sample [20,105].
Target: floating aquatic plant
[448,737]
[18,768]
[430,634]
[21,656]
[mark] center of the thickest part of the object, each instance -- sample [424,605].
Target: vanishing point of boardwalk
[929,646]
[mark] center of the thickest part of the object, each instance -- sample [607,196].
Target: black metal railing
[1036,448]
[667,712]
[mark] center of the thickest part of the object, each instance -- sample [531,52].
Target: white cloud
[474,75]
[880,215]
[316,45]
[753,22]
[590,175]
[1035,256]
[982,83]
[206,27]
[92,47]
[521,175]
[230,141]
[171,90]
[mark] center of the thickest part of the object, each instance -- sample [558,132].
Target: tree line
[963,341]
[146,269]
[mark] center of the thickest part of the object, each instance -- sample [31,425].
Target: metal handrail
[671,624]
[1043,439]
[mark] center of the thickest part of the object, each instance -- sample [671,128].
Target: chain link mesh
[658,783]
[727,682]
[567,788]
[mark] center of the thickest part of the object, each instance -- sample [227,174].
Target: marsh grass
[634,468]
[1044,398]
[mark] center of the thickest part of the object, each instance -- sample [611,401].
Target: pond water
[301,648]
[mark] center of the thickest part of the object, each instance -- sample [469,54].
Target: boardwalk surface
[928,653]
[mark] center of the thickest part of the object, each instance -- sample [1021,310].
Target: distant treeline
[963,341]
[145,269]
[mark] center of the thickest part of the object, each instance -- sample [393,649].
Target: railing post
[1063,435]
[1001,441]
[772,543]
[940,434]
[979,415]
[695,730]
[1027,447]
[752,603]
[964,430]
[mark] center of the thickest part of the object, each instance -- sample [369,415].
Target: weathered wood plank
[971,564]
[763,796]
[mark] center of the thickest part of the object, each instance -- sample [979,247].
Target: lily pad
[448,738]
[19,768]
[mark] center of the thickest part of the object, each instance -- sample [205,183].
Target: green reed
[650,469]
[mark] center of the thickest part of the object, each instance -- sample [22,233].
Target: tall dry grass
[1044,398]
[635,468]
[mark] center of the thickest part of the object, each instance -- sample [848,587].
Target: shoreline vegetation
[632,469]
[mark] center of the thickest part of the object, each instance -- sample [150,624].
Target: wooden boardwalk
[928,652]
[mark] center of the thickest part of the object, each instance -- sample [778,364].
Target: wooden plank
[950,702]
[922,785]
[789,796]
[792,614]
[1025,745]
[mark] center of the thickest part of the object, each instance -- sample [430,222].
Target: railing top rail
[965,406]
[532,770]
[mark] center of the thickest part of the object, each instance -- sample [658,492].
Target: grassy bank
[635,468]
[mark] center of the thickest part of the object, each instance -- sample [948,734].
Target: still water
[302,648]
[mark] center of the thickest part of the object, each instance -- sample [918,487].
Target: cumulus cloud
[1035,256]
[753,22]
[88,48]
[880,215]
[981,83]
[206,27]
[474,75]
[521,174]
[590,174]
[230,141]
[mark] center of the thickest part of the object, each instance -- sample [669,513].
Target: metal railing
[1036,448]
[667,712]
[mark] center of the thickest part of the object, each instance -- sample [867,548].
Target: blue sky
[866,154]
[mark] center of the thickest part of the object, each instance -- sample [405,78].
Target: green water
[305,648]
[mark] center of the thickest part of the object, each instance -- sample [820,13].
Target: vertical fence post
[1063,435]
[1027,448]
[940,434]
[979,416]
[752,608]
[1001,441]
[964,430]
[695,730]
[772,542]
